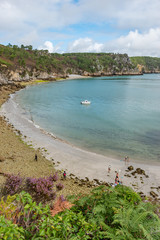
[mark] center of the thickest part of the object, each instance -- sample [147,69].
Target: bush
[107,213]
[120,213]
[54,177]
[42,187]
[59,186]
[11,231]
[12,184]
[8,207]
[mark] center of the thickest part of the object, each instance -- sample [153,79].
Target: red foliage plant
[60,205]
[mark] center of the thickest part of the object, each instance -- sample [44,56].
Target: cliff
[146,64]
[25,64]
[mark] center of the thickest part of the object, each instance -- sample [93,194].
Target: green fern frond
[146,234]
[99,209]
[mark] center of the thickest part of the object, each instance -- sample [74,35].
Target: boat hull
[85,102]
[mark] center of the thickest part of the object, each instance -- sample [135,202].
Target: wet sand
[77,161]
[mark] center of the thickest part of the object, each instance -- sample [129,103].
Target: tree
[9,45]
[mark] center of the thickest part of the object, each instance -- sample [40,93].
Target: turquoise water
[123,118]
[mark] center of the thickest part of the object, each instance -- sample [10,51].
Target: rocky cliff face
[119,64]
[8,76]
[143,69]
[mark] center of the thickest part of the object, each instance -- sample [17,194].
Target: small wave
[30,121]
[37,126]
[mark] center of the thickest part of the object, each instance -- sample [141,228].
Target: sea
[122,119]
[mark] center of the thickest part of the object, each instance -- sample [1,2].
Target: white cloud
[134,44]
[85,45]
[34,22]
[49,46]
[141,14]
[60,13]
[137,44]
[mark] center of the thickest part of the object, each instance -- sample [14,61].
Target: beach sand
[77,161]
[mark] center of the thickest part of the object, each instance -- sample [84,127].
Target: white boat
[86,102]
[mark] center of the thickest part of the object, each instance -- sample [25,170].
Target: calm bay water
[123,118]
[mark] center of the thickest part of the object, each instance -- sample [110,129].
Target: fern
[137,221]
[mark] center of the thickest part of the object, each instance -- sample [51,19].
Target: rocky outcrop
[111,73]
[8,76]
[3,79]
[19,75]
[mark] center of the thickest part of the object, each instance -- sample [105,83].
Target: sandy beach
[77,161]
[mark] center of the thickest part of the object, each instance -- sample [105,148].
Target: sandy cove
[79,162]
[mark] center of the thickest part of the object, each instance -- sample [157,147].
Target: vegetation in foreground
[105,213]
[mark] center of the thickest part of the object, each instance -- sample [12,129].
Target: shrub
[11,231]
[54,177]
[12,184]
[8,207]
[107,213]
[42,187]
[120,213]
[59,186]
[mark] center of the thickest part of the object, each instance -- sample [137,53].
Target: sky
[119,26]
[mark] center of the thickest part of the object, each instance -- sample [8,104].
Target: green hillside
[148,63]
[30,63]
[25,56]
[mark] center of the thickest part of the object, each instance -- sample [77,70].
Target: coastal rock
[82,180]
[153,194]
[97,181]
[87,179]
[105,183]
[71,175]
[127,175]
[139,171]
[130,168]
[143,196]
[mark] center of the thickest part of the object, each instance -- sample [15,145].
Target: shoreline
[21,111]
[77,161]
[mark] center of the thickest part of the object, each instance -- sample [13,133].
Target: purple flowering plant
[12,184]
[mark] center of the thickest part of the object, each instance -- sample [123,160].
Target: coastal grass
[4,62]
[33,82]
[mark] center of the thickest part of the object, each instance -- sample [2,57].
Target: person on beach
[36,157]
[64,174]
[117,179]
[109,168]
[125,160]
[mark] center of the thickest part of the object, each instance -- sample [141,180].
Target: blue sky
[119,26]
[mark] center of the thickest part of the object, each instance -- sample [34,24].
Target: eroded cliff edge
[25,64]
